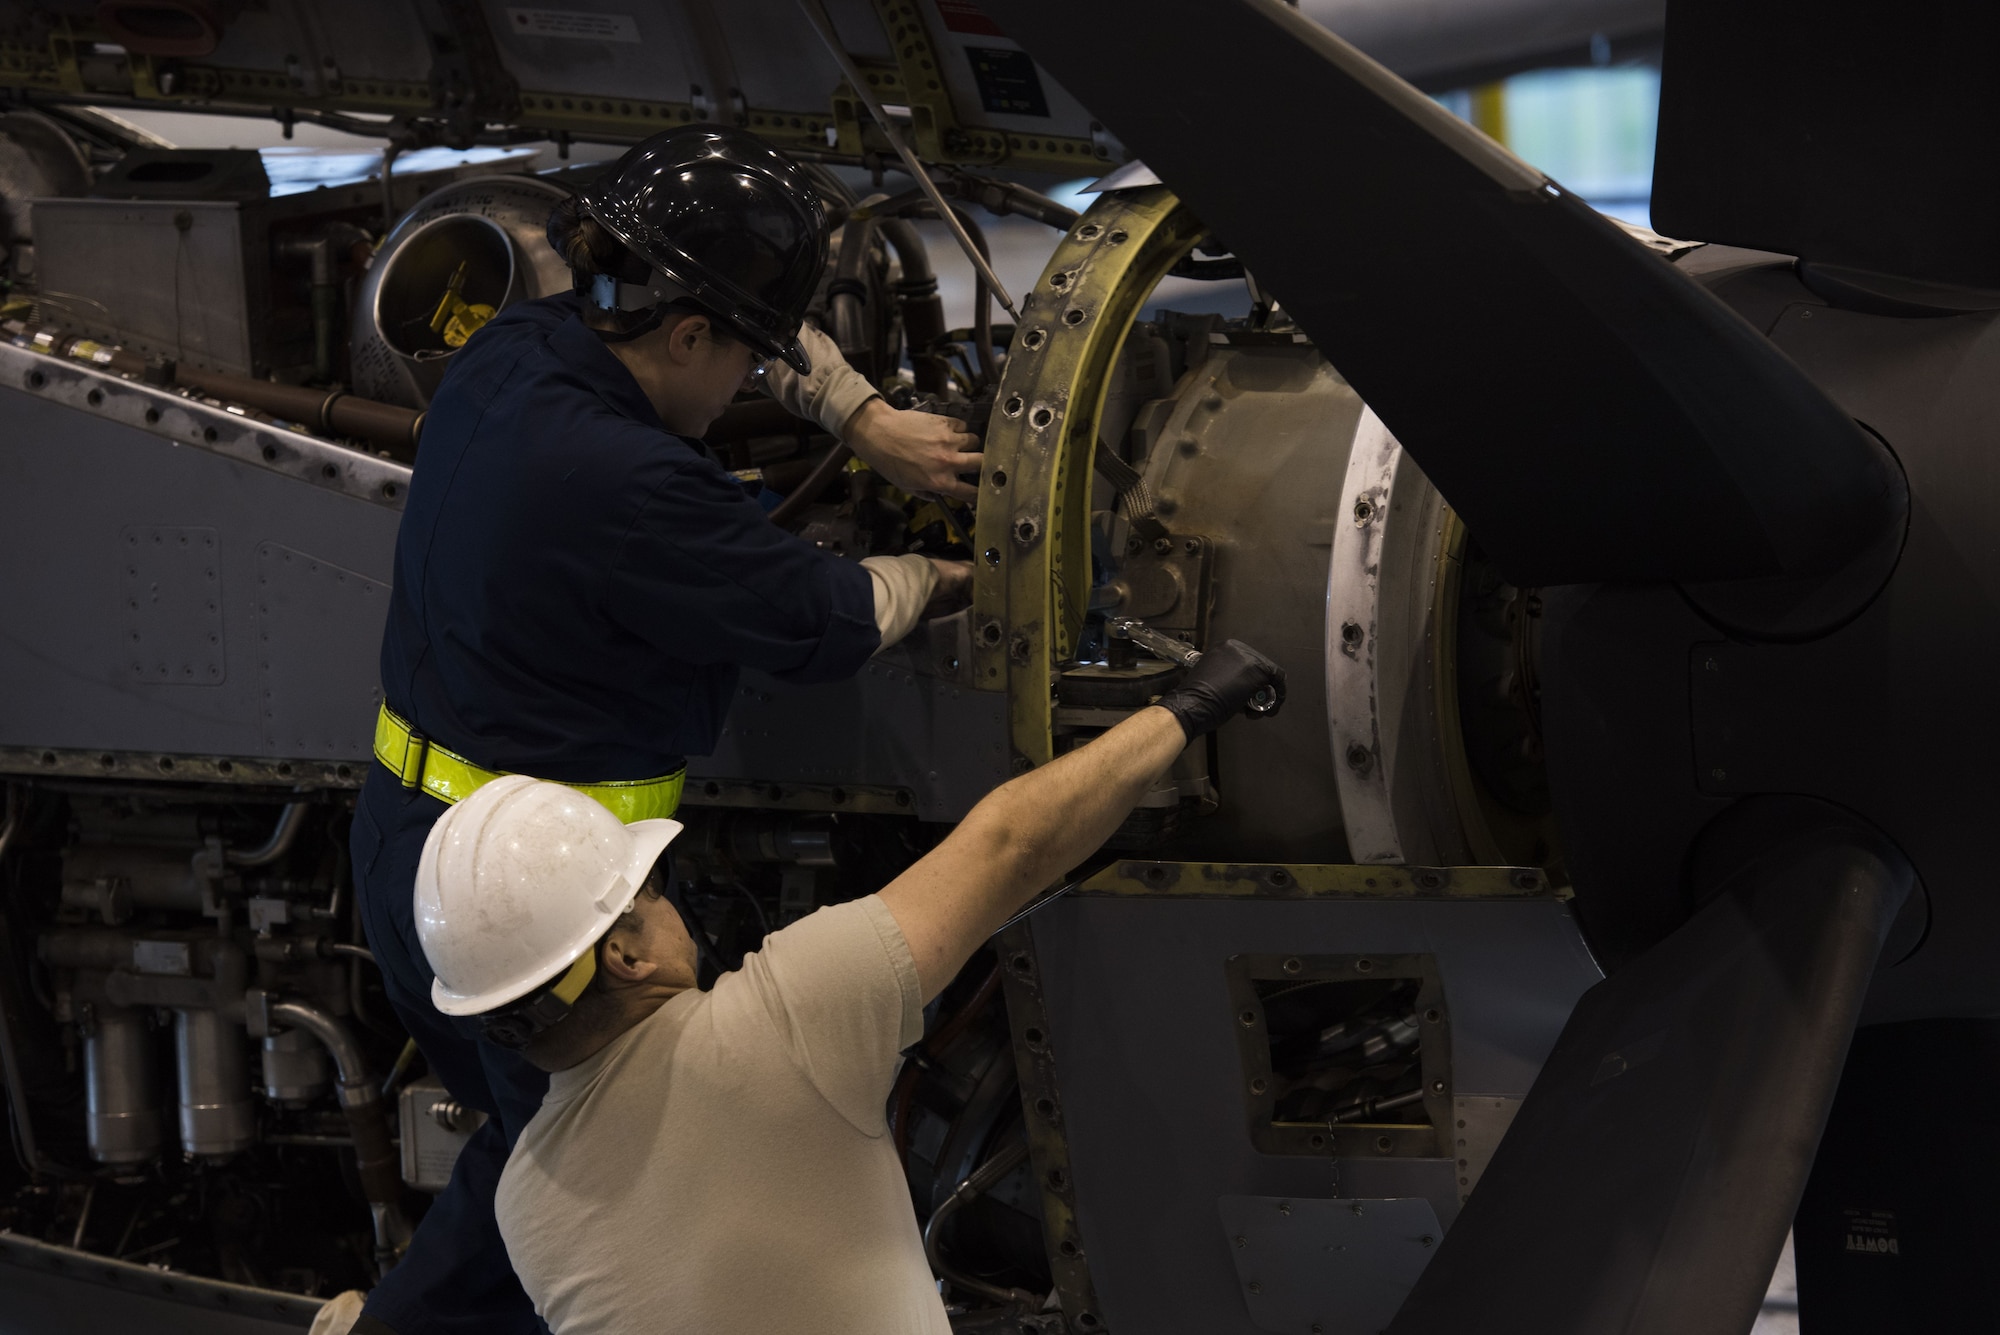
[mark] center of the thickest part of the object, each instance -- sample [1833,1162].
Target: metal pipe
[357,952]
[283,835]
[1367,1108]
[361,1103]
[334,411]
[981,1180]
[816,15]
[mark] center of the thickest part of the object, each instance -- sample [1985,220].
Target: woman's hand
[919,452]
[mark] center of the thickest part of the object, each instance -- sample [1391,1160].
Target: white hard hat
[517,882]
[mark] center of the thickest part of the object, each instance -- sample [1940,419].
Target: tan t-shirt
[724,1166]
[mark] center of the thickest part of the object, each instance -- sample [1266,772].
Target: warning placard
[574,24]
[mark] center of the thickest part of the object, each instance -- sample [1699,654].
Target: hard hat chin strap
[516,1025]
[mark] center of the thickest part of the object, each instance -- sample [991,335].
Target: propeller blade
[1592,413]
[1646,1184]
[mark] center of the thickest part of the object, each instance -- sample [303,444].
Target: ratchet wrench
[1166,647]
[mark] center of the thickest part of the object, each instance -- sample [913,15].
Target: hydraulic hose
[846,291]
[935,1046]
[824,472]
[922,307]
[982,1180]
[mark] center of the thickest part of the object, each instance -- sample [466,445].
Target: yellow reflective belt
[421,763]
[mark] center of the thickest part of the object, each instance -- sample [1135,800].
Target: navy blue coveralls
[575,590]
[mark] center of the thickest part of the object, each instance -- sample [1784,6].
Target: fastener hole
[1364,966]
[1383,1144]
[152,416]
[1025,531]
[1012,407]
[36,380]
[1089,232]
[1022,965]
[1058,1179]
[1433,1015]
[1041,417]
[1034,339]
[1066,1247]
[999,477]
[209,434]
[1046,1107]
[1073,316]
[711,789]
[1279,876]
[329,471]
[95,398]
[1032,1034]
[1155,875]
[1118,237]
[1247,1019]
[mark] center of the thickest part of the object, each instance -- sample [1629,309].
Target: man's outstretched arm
[1030,830]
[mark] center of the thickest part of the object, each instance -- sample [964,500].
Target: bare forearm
[1046,822]
[1023,836]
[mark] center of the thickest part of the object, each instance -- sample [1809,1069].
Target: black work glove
[1231,677]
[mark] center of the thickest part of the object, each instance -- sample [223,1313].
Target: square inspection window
[1346,1054]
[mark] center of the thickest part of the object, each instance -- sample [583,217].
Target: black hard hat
[729,219]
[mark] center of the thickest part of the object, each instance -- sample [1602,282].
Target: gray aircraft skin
[1609,887]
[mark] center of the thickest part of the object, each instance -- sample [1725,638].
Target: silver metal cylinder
[295,1067]
[121,1091]
[217,1115]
